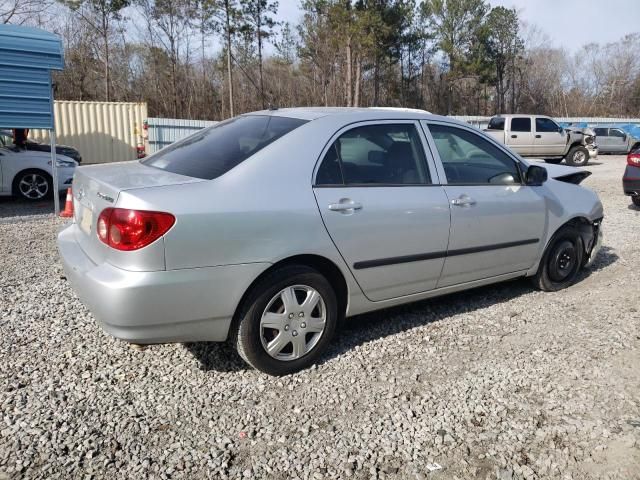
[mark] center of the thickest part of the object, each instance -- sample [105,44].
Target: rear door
[603,139]
[383,207]
[497,222]
[549,139]
[520,136]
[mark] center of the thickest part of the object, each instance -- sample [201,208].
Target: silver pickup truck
[541,137]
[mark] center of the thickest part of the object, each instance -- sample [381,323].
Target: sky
[568,23]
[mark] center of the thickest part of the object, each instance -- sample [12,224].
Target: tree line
[213,59]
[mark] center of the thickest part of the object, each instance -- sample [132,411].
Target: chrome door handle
[345,205]
[463,201]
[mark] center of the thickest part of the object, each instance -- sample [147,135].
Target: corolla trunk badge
[105,197]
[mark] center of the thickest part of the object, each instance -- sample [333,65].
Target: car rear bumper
[185,305]
[631,181]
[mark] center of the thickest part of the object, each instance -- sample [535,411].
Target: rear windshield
[496,123]
[215,150]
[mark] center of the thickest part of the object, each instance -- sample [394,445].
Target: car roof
[361,113]
[520,115]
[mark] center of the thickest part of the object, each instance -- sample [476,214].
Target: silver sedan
[271,227]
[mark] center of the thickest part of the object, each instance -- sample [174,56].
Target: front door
[497,223]
[383,208]
[603,139]
[618,140]
[550,140]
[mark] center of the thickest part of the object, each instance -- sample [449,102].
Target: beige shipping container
[102,131]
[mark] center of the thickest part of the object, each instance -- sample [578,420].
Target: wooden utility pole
[229,71]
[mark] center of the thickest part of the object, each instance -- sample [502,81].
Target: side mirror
[624,138]
[535,176]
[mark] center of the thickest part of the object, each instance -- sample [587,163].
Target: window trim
[429,162]
[435,154]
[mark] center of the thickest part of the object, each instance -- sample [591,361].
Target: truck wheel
[578,156]
[555,161]
[636,200]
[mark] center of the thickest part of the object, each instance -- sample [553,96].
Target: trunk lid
[97,187]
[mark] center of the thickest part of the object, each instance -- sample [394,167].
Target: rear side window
[385,154]
[520,124]
[215,150]
[496,123]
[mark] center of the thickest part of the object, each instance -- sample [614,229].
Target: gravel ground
[500,382]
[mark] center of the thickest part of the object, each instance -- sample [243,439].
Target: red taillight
[633,159]
[127,230]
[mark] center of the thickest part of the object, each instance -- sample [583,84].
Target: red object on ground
[68,206]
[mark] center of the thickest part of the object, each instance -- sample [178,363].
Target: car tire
[561,262]
[554,161]
[274,308]
[578,156]
[33,185]
[636,200]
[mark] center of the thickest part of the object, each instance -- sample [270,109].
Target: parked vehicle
[614,139]
[541,137]
[28,174]
[6,140]
[631,178]
[271,227]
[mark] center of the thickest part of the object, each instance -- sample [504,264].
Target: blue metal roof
[27,55]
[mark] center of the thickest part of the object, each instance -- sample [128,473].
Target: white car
[28,174]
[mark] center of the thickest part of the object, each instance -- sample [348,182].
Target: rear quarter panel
[262,211]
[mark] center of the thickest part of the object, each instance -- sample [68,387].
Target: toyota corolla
[269,228]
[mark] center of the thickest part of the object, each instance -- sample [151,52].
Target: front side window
[601,132]
[546,125]
[215,150]
[520,124]
[469,159]
[617,133]
[386,154]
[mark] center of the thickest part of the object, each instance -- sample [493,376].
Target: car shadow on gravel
[11,207]
[368,327]
[607,256]
[216,356]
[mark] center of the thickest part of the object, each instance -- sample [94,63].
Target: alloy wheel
[33,186]
[579,157]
